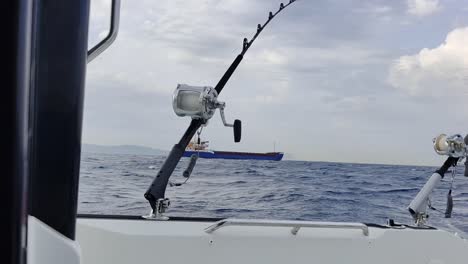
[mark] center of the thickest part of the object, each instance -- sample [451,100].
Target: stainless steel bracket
[295,225]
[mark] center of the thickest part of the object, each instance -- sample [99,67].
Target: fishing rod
[200,103]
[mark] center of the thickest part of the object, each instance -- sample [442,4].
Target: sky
[340,80]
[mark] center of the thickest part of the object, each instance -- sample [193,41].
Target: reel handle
[237,127]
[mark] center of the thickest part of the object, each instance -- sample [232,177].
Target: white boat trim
[121,241]
[46,245]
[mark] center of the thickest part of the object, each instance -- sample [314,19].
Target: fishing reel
[201,102]
[454,146]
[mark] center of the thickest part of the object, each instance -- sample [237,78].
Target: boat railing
[295,225]
[111,36]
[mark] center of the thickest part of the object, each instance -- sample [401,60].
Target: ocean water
[294,190]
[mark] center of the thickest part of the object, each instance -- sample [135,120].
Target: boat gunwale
[215,219]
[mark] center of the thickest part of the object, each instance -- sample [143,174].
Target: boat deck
[122,240]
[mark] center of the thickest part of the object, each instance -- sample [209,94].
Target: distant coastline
[142,150]
[121,149]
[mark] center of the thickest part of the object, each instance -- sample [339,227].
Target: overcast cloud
[354,81]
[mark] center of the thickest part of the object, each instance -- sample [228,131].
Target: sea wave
[114,184]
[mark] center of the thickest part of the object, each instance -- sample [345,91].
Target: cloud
[423,7]
[373,9]
[273,57]
[441,71]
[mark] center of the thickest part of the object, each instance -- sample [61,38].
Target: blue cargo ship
[201,150]
[207,154]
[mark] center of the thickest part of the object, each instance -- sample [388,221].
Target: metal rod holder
[158,213]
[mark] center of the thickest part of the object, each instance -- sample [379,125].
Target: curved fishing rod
[156,191]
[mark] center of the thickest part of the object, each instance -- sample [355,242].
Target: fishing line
[449,207]
[448,210]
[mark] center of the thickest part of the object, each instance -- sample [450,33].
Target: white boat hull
[120,241]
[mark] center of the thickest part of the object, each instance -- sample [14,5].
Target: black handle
[237,130]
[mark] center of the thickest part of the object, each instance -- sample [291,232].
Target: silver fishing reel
[198,102]
[201,102]
[452,146]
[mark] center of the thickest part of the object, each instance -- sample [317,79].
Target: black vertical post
[59,67]
[16,32]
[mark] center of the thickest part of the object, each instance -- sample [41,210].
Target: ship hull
[275,156]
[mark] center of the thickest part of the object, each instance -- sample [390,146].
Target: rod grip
[219,87]
[450,162]
[157,188]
